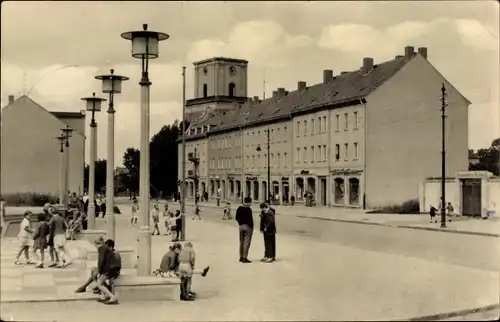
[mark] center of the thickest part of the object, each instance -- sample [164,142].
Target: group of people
[106,271]
[448,210]
[50,233]
[244,217]
[179,262]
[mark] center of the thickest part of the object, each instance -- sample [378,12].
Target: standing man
[219,192]
[244,218]
[268,230]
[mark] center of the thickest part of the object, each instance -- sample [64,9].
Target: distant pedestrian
[178,224]
[166,216]
[197,212]
[24,237]
[244,217]
[227,211]
[205,194]
[156,219]
[449,211]
[432,213]
[135,210]
[268,230]
[219,193]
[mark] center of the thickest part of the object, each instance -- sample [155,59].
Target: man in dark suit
[244,217]
[268,230]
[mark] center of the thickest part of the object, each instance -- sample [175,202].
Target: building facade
[350,140]
[30,157]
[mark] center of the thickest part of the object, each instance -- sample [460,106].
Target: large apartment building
[363,138]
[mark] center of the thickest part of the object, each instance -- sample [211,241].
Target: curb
[453,231]
[447,315]
[85,297]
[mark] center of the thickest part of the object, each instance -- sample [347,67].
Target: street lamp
[144,47]
[93,105]
[111,84]
[268,132]
[66,133]
[62,181]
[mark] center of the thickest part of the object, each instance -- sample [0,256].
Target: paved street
[329,270]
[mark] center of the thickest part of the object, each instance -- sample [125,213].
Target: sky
[51,51]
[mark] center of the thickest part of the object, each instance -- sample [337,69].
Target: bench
[146,288]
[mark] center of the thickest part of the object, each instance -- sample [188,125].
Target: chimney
[423,51]
[367,65]
[327,76]
[281,93]
[256,100]
[409,51]
[301,85]
[275,94]
[11,99]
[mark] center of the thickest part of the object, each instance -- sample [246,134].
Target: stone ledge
[87,250]
[146,288]
[90,235]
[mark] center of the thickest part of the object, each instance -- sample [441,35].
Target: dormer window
[231,89]
[205,90]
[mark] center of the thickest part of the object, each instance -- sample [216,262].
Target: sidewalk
[463,225]
[311,280]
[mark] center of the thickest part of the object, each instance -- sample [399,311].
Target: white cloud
[473,33]
[348,37]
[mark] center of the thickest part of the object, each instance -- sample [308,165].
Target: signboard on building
[251,178]
[346,172]
[285,179]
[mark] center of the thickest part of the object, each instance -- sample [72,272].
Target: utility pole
[183,166]
[443,157]
[268,165]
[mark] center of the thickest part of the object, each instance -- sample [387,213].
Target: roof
[221,59]
[69,115]
[343,90]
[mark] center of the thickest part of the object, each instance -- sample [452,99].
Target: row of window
[319,125]
[320,153]
[235,140]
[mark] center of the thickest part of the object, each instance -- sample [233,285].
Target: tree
[131,160]
[488,158]
[100,175]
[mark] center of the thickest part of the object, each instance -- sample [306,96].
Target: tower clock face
[232,70]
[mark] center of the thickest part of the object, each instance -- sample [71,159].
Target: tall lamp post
[62,181]
[93,105]
[443,157]
[268,133]
[144,47]
[195,159]
[66,134]
[111,84]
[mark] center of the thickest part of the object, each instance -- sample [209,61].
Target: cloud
[475,34]
[259,41]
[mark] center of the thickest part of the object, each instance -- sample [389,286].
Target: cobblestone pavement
[27,283]
[311,280]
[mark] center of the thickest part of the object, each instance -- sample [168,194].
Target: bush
[29,199]
[407,207]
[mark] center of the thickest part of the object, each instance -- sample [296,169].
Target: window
[324,124]
[337,152]
[305,127]
[305,155]
[312,154]
[312,126]
[231,89]
[355,150]
[253,161]
[298,128]
[285,129]
[297,156]
[320,126]
[325,156]
[285,157]
[346,121]
[205,90]
[337,125]
[346,151]
[318,154]
[356,120]
[258,161]
[278,160]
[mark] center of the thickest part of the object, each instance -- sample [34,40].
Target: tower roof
[221,59]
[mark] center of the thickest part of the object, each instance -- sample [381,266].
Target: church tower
[219,83]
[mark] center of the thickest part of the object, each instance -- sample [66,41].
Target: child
[186,267]
[172,222]
[40,239]
[76,227]
[227,211]
[24,237]
[197,212]
[156,219]
[165,219]
[432,213]
[135,209]
[449,211]
[169,262]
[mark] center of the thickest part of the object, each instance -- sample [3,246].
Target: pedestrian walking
[244,217]
[178,224]
[40,239]
[156,220]
[432,213]
[107,269]
[449,211]
[227,211]
[219,192]
[54,257]
[58,228]
[135,210]
[268,230]
[166,216]
[24,237]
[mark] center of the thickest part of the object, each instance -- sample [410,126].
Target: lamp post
[194,158]
[93,105]
[268,133]
[144,47]
[62,181]
[443,157]
[66,134]
[111,84]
